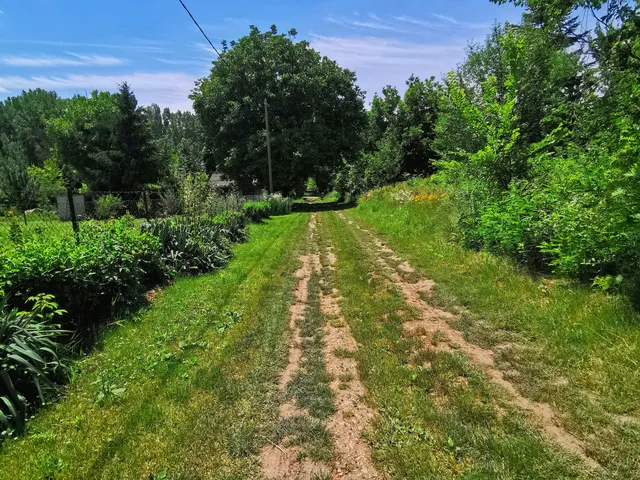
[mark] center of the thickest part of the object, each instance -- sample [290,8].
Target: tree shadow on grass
[322,207]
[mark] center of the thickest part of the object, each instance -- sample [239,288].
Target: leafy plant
[109,206]
[256,211]
[108,269]
[28,357]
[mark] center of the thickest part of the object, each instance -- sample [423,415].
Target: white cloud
[170,89]
[71,60]
[184,61]
[416,21]
[460,23]
[133,45]
[207,48]
[378,62]
[378,26]
[357,24]
[446,19]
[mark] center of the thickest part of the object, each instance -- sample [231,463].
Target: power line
[197,25]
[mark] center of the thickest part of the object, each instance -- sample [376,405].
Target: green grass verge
[185,390]
[573,347]
[439,417]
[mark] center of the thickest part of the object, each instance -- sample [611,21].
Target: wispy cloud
[131,46]
[1,12]
[416,21]
[446,19]
[168,89]
[206,48]
[460,23]
[188,61]
[394,23]
[358,24]
[70,61]
[378,62]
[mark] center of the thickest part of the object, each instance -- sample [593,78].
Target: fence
[61,216]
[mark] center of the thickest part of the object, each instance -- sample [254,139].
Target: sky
[74,47]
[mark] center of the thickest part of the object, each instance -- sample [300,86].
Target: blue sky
[74,46]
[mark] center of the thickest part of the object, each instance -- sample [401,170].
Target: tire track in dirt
[352,454]
[434,320]
[283,461]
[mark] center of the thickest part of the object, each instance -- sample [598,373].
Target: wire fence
[62,215]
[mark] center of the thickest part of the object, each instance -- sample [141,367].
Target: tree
[316,112]
[106,139]
[16,188]
[407,124]
[23,119]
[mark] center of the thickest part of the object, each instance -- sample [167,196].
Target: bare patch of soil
[434,320]
[352,455]
[283,461]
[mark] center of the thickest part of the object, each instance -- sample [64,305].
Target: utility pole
[266,120]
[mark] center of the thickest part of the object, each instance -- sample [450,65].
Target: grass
[310,386]
[438,416]
[187,389]
[571,346]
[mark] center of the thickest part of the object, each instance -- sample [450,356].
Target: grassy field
[187,390]
[439,417]
[571,346]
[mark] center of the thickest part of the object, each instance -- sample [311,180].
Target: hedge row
[53,289]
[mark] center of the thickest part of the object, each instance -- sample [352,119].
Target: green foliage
[48,182]
[279,205]
[311,187]
[194,190]
[23,121]
[540,154]
[316,111]
[191,245]
[105,138]
[398,141]
[106,270]
[16,188]
[28,358]
[545,328]
[176,359]
[256,211]
[109,206]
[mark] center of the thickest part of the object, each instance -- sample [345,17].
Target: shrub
[109,206]
[279,205]
[256,211]
[192,245]
[106,270]
[28,358]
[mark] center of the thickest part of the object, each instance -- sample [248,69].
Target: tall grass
[563,343]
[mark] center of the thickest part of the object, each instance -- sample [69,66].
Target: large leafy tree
[316,112]
[23,120]
[106,139]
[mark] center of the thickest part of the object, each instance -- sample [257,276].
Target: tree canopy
[316,112]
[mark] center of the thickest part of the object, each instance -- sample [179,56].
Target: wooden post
[72,212]
[146,204]
[266,120]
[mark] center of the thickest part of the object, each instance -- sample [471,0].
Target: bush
[105,271]
[256,211]
[197,244]
[279,205]
[28,359]
[109,206]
